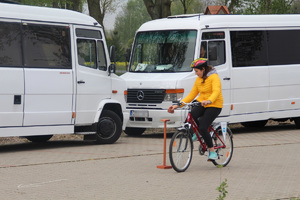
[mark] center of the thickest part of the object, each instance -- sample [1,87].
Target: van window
[87,53]
[90,50]
[101,56]
[271,47]
[249,48]
[213,35]
[46,46]
[283,47]
[213,48]
[88,33]
[163,51]
[10,44]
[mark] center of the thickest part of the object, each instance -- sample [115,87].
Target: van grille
[145,95]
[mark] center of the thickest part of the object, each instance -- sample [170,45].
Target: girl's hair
[207,68]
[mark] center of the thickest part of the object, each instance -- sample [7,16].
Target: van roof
[35,13]
[200,21]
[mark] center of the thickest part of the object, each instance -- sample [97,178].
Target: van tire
[39,138]
[109,128]
[255,124]
[134,131]
[297,122]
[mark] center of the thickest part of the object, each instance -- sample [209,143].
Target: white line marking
[40,184]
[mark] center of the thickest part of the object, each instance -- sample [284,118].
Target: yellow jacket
[210,90]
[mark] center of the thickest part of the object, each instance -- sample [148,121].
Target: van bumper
[140,118]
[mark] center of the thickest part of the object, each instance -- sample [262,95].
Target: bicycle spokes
[180,151]
[224,148]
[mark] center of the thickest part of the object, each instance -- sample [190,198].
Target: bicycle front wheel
[223,147]
[181,150]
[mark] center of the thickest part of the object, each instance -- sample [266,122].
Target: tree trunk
[158,9]
[268,6]
[94,10]
[55,4]
[183,2]
[231,6]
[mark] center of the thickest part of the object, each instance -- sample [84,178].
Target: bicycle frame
[192,124]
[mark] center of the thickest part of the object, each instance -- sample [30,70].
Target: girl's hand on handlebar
[172,108]
[205,102]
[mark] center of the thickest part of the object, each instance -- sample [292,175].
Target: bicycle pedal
[201,151]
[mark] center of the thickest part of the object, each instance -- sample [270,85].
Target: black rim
[106,128]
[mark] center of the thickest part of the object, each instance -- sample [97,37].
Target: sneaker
[212,156]
[194,138]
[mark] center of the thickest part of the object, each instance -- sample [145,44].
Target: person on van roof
[208,86]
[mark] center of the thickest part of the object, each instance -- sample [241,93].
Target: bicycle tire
[181,150]
[224,154]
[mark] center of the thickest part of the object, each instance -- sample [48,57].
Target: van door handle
[226,79]
[80,82]
[17,99]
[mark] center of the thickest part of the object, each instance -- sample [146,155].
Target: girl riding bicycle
[208,86]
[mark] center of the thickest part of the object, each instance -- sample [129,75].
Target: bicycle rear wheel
[224,153]
[181,150]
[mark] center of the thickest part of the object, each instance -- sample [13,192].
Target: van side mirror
[112,53]
[111,69]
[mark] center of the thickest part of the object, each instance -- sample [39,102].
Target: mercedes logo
[140,95]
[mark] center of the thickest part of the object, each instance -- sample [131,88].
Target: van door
[11,75]
[48,74]
[250,72]
[93,81]
[214,45]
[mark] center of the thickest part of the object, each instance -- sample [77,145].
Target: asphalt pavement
[265,165]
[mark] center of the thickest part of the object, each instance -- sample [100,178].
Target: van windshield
[163,51]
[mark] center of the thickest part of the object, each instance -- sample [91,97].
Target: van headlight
[173,94]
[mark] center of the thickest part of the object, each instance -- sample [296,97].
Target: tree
[126,24]
[269,7]
[185,4]
[295,8]
[68,4]
[232,5]
[98,8]
[71,4]
[158,8]
[179,7]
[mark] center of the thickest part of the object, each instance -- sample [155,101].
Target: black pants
[204,117]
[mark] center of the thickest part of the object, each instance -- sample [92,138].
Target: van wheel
[134,131]
[39,138]
[109,128]
[297,122]
[255,124]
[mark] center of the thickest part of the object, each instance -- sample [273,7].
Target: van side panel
[284,87]
[12,96]
[250,90]
[48,97]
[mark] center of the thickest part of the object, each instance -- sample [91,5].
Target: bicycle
[181,144]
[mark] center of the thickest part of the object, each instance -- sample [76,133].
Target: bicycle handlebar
[193,103]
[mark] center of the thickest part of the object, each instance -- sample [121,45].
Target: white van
[56,76]
[256,56]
